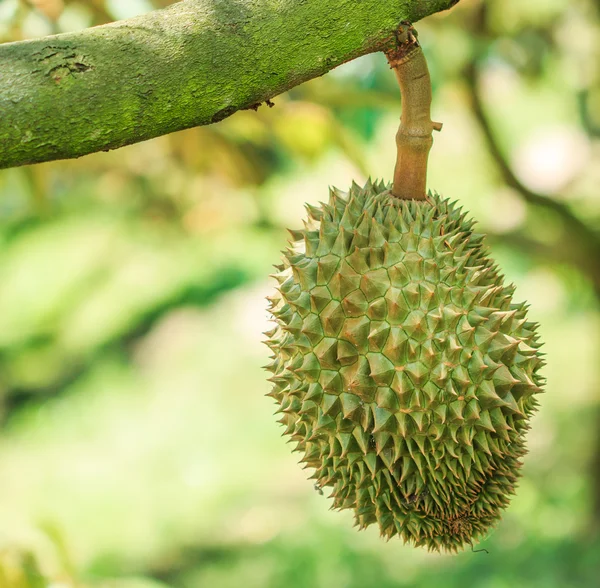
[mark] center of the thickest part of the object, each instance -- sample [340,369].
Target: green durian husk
[402,368]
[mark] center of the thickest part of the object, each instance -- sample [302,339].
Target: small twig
[414,137]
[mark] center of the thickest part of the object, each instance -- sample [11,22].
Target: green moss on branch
[194,63]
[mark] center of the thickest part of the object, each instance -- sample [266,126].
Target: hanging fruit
[402,368]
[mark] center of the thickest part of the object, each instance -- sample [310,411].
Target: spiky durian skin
[403,370]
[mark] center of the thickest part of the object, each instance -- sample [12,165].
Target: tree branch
[191,64]
[577,232]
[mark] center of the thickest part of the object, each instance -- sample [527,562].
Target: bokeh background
[137,448]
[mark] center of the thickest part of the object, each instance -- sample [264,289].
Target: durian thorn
[414,138]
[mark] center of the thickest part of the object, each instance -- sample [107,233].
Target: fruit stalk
[414,137]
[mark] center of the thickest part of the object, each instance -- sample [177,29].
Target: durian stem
[414,137]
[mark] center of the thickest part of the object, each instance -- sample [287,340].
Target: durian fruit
[403,371]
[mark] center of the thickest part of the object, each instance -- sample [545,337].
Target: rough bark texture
[194,63]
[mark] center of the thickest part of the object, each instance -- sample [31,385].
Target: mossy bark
[191,64]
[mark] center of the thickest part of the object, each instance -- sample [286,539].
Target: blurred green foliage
[137,448]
